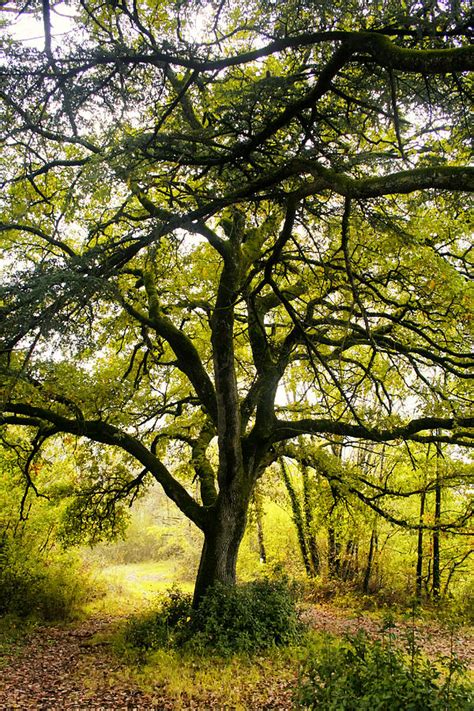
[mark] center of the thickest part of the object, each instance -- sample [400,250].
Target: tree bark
[370,558]
[297,520]
[334,547]
[350,562]
[436,533]
[222,538]
[334,553]
[312,545]
[259,521]
[419,558]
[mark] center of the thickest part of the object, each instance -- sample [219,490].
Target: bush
[32,586]
[163,628]
[364,674]
[247,618]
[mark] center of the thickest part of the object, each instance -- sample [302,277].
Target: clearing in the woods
[82,666]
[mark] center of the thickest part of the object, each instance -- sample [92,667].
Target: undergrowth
[33,586]
[348,597]
[362,674]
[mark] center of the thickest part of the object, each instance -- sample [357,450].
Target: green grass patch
[131,588]
[161,648]
[238,682]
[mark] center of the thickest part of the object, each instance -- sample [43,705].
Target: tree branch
[105,433]
[284,430]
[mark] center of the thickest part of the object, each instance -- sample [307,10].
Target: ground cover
[84,665]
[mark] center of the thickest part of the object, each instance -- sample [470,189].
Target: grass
[239,682]
[129,588]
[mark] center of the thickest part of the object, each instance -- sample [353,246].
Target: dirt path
[56,669]
[59,669]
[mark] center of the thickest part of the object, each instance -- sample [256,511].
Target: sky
[28,28]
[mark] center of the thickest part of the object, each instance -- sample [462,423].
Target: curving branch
[99,431]
[30,229]
[286,429]
[373,45]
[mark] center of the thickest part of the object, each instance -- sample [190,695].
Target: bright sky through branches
[28,28]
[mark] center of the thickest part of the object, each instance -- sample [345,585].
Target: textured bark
[312,544]
[222,539]
[297,520]
[259,521]
[370,558]
[334,547]
[334,553]
[350,562]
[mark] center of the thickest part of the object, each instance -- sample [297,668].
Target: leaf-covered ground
[58,668]
[67,667]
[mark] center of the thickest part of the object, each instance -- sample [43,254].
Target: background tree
[371,501]
[223,230]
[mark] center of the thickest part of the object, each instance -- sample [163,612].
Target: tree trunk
[221,544]
[436,542]
[349,563]
[334,553]
[297,519]
[370,558]
[259,521]
[312,546]
[334,547]
[419,557]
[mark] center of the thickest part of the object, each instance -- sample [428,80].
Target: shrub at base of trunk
[229,620]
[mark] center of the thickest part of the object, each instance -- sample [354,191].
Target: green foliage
[30,585]
[362,674]
[246,618]
[229,620]
[38,579]
[238,225]
[156,532]
[12,633]
[95,511]
[161,628]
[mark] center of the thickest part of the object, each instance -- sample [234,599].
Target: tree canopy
[228,230]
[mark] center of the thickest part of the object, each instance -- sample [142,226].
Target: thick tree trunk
[221,545]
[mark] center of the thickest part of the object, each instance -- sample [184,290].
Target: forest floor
[74,667]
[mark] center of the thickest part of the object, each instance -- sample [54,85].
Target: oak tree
[225,229]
